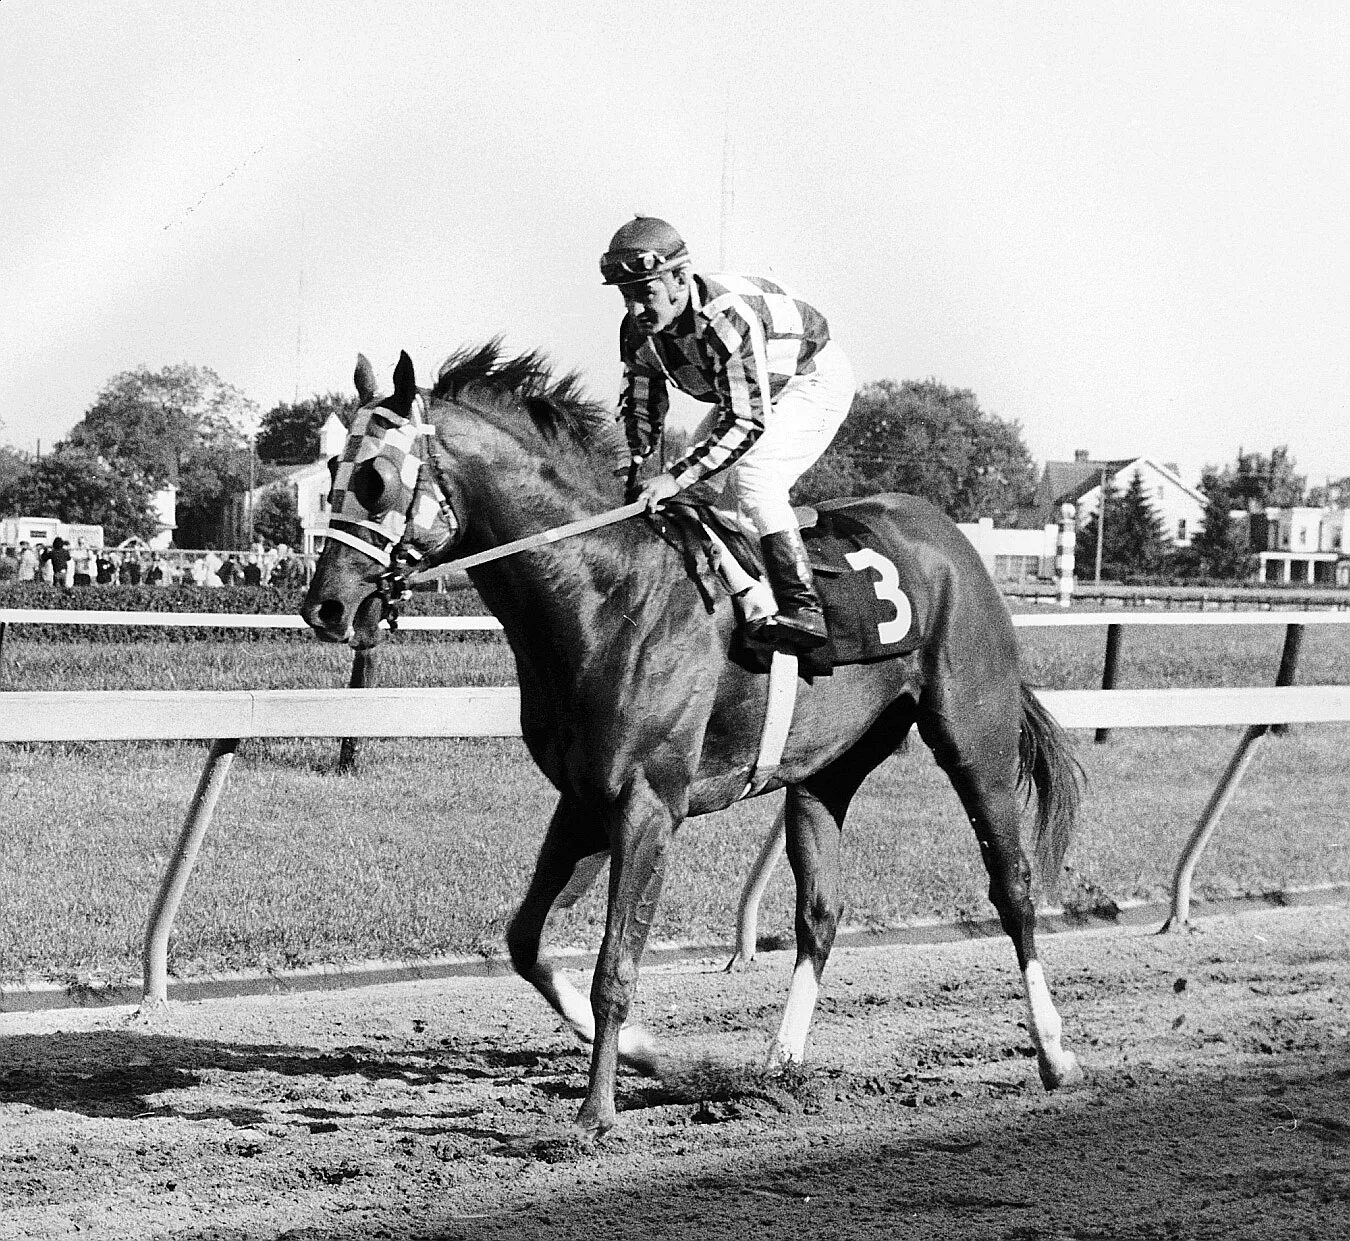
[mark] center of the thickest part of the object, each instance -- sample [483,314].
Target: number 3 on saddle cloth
[876,604]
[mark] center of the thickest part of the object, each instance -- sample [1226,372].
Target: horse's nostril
[330,614]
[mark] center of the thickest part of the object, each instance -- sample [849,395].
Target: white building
[1180,506]
[1301,545]
[309,484]
[35,530]
[164,504]
[1013,555]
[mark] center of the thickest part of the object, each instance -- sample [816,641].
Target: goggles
[624,265]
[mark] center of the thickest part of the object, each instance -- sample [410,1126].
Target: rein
[400,561]
[608,518]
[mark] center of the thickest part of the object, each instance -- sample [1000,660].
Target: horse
[633,706]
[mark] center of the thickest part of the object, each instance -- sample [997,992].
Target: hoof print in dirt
[716,1112]
[559,1148]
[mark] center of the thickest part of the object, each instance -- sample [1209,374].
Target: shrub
[236,600]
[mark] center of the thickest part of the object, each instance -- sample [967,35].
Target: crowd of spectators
[64,565]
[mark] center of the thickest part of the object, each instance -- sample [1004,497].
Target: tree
[1256,482]
[13,466]
[74,485]
[1133,542]
[211,476]
[929,440]
[157,420]
[1218,549]
[1335,493]
[289,434]
[276,520]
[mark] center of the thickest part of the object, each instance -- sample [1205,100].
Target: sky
[1123,225]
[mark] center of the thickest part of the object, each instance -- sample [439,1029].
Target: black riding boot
[800,623]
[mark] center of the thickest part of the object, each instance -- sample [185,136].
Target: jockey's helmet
[640,250]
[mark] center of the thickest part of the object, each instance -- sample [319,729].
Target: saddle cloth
[876,605]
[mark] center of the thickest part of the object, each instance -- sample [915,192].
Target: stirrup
[790,632]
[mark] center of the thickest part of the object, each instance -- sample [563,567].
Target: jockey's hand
[654,490]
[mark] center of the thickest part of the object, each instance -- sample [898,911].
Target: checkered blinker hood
[365,512]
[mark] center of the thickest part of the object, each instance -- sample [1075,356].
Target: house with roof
[1079,482]
[1302,545]
[308,483]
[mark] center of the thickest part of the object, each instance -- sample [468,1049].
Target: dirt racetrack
[1216,1104]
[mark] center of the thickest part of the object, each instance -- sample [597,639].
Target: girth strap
[778,712]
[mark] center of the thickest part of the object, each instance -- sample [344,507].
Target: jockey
[779,387]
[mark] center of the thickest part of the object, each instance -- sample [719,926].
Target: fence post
[1293,643]
[1114,635]
[4,628]
[1180,916]
[155,960]
[363,677]
[1064,554]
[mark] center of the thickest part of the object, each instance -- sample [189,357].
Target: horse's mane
[557,406]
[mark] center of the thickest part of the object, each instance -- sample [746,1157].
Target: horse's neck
[570,607]
[562,603]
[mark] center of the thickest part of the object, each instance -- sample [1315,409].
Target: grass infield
[426,851]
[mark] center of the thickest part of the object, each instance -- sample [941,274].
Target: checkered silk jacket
[740,340]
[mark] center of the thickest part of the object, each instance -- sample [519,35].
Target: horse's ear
[405,382]
[365,379]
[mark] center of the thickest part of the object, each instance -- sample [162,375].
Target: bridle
[403,563]
[389,538]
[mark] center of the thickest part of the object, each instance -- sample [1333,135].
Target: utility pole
[252,446]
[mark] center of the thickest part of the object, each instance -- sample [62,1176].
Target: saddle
[876,605]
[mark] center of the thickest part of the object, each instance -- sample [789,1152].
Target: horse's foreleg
[813,830]
[993,814]
[641,838]
[561,878]
[564,872]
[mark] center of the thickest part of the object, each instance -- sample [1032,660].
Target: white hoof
[1059,1071]
[638,1049]
[782,1058]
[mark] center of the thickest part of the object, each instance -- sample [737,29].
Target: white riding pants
[804,418]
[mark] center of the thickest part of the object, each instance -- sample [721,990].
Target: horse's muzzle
[328,618]
[333,622]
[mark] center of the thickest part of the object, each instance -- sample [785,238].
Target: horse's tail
[1046,763]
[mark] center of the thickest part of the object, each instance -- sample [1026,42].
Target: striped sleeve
[643,400]
[743,390]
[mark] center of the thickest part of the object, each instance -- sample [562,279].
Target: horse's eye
[375,484]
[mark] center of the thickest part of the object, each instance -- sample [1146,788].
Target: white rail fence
[228,717]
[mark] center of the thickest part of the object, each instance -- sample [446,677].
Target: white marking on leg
[1045,1022]
[636,1044]
[1056,1065]
[575,1007]
[790,1046]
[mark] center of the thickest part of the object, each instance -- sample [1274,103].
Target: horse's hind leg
[814,813]
[813,830]
[572,855]
[986,785]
